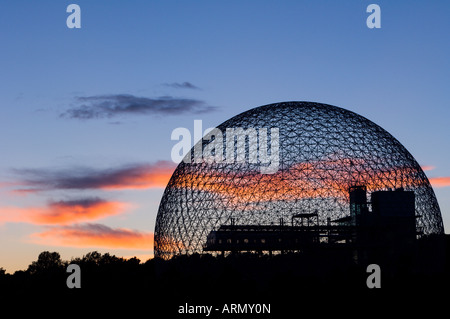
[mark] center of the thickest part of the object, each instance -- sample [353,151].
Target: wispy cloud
[108,106]
[427,167]
[184,85]
[94,235]
[132,176]
[442,181]
[63,212]
[240,189]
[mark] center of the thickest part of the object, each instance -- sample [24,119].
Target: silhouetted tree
[47,261]
[93,257]
[133,261]
[107,259]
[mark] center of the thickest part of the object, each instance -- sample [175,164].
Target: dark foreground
[290,285]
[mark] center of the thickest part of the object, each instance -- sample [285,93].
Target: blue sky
[237,54]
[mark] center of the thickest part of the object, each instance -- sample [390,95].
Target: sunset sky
[86,114]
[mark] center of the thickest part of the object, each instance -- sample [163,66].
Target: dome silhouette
[323,151]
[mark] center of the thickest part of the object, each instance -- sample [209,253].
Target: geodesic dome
[322,151]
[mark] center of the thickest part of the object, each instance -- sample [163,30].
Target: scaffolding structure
[391,224]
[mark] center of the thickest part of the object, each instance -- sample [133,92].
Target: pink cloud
[427,167]
[63,212]
[94,236]
[443,181]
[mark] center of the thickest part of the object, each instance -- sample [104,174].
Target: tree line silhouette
[98,272]
[280,279]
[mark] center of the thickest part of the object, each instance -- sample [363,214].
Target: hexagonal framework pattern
[323,150]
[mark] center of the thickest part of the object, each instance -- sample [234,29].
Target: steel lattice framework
[323,150]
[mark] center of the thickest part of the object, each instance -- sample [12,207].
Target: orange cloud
[63,212]
[94,236]
[440,181]
[300,181]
